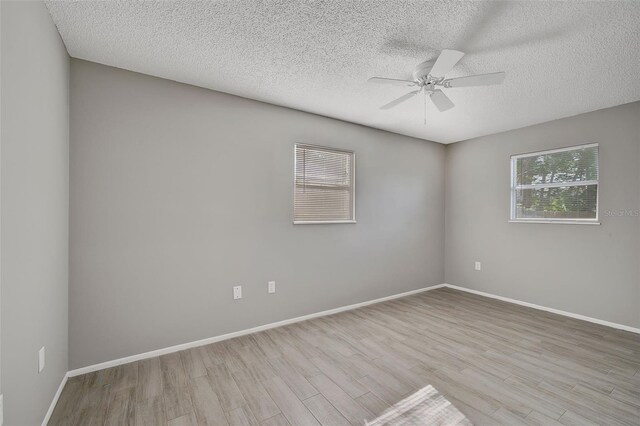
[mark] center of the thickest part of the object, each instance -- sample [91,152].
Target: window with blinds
[324,185]
[559,185]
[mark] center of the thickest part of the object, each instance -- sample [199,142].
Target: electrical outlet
[478,266]
[272,287]
[41,359]
[1,410]
[237,292]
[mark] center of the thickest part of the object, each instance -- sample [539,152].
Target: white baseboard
[214,339]
[544,308]
[47,417]
[209,340]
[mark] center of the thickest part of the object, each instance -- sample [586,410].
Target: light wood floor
[498,363]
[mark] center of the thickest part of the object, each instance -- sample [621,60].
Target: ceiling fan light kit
[428,77]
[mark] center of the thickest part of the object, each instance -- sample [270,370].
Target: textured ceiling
[561,58]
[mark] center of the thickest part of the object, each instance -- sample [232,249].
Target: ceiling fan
[428,76]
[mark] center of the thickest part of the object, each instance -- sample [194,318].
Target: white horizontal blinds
[323,184]
[561,184]
[568,166]
[573,202]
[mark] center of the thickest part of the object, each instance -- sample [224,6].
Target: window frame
[353,185]
[572,221]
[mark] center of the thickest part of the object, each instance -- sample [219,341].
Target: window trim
[574,221]
[353,185]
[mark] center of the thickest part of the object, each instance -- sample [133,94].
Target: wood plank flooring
[497,362]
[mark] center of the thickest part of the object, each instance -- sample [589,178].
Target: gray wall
[178,193]
[588,270]
[35,202]
[0,199]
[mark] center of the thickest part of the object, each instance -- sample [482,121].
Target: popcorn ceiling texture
[561,58]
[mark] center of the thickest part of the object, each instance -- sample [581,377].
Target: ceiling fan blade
[441,101]
[392,81]
[448,59]
[476,80]
[400,100]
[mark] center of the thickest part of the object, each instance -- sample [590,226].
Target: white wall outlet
[237,292]
[478,266]
[272,287]
[41,359]
[1,410]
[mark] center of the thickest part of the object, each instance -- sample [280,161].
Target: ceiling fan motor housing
[421,71]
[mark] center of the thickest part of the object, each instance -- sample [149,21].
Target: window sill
[557,222]
[321,222]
